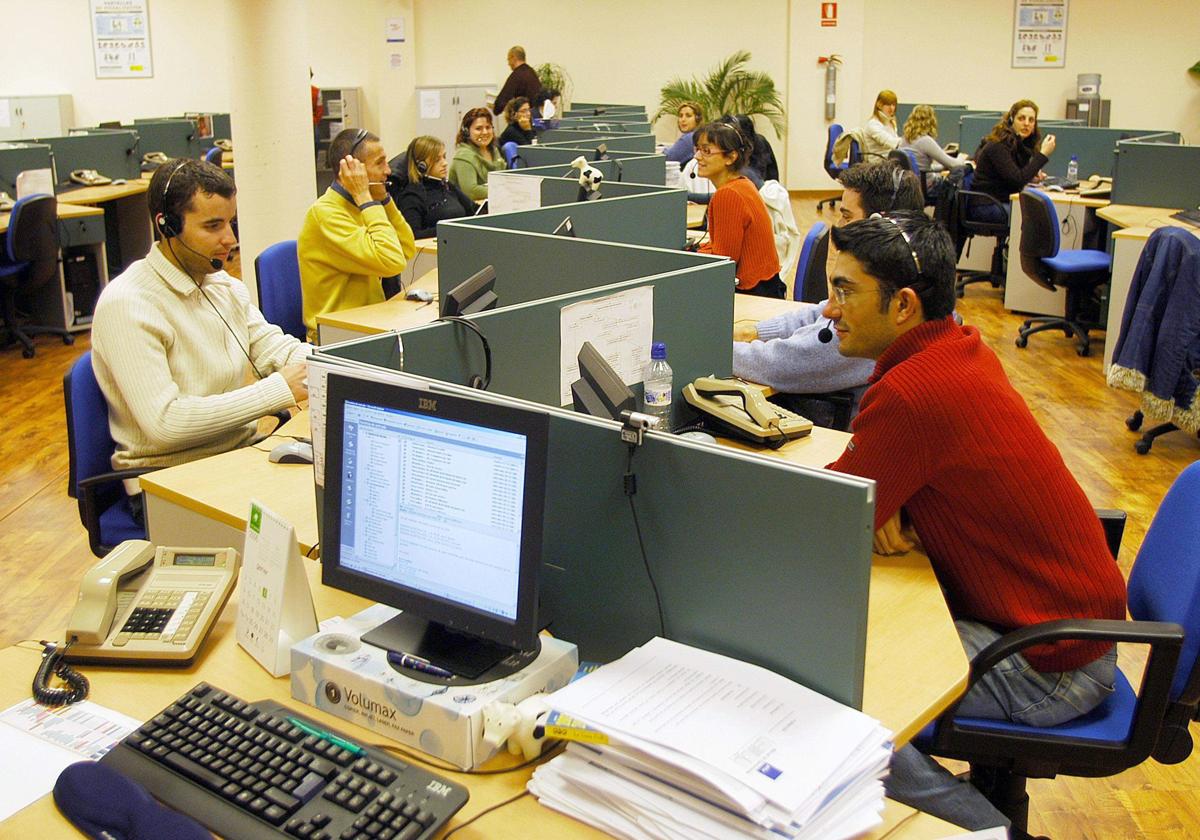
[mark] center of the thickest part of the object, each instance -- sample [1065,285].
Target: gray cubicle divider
[609,126]
[904,109]
[175,137]
[564,153]
[590,107]
[563,264]
[1156,174]
[788,594]
[642,143]
[974,126]
[111,152]
[632,168]
[15,158]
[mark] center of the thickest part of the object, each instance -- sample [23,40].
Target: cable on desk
[484,812]
[450,768]
[54,663]
[315,546]
[630,487]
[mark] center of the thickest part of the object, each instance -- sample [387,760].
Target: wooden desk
[695,214]
[1021,294]
[81,227]
[141,693]
[1135,226]
[397,313]
[126,218]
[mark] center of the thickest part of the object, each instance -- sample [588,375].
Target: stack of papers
[701,745]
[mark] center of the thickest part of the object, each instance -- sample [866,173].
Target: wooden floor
[43,548]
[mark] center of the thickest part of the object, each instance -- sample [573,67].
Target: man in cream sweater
[186,362]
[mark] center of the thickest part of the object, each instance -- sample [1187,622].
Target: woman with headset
[476,154]
[428,197]
[1011,156]
[879,134]
[738,224]
[519,114]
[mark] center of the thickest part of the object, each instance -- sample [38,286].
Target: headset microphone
[167,229]
[692,174]
[825,334]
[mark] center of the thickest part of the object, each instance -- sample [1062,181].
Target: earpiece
[422,167]
[169,224]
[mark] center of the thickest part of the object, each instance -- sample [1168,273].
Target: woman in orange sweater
[738,224]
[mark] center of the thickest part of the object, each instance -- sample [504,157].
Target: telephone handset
[741,408]
[150,605]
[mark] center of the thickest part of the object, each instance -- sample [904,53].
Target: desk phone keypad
[165,615]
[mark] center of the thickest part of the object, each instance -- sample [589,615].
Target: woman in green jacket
[476,154]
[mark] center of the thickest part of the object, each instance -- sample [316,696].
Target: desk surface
[65,211]
[396,313]
[141,693]
[1067,198]
[695,214]
[108,192]
[1134,216]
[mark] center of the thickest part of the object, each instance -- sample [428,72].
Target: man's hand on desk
[296,377]
[745,331]
[891,539]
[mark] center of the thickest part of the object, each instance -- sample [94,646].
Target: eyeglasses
[841,293]
[707,151]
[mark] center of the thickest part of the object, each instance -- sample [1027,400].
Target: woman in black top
[1008,159]
[428,198]
[519,114]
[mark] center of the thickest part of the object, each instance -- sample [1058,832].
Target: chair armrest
[983,195]
[1113,523]
[90,483]
[89,490]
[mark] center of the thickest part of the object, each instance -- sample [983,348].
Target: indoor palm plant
[554,77]
[728,89]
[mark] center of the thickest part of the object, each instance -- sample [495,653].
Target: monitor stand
[470,657]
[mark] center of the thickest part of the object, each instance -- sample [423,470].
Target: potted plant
[728,89]
[554,77]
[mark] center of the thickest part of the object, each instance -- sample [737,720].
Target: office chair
[213,155]
[28,261]
[966,200]
[908,160]
[511,156]
[810,275]
[280,297]
[1128,727]
[833,169]
[103,504]
[1079,271]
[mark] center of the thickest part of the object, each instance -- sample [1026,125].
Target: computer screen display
[434,504]
[475,294]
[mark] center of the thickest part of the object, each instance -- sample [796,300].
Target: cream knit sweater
[173,374]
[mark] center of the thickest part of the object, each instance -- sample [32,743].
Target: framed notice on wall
[121,39]
[1040,33]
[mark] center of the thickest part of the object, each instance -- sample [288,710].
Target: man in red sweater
[952,446]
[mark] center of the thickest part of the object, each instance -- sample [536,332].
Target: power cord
[53,662]
[474,380]
[450,768]
[486,811]
[629,485]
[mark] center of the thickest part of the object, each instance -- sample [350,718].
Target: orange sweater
[739,228]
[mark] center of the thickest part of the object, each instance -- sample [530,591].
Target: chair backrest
[806,256]
[33,229]
[783,223]
[1039,225]
[1164,584]
[835,131]
[908,159]
[213,155]
[510,152]
[89,444]
[277,272]
[856,155]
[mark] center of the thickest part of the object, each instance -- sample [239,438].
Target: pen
[416,663]
[326,736]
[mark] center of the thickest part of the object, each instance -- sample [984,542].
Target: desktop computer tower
[82,279]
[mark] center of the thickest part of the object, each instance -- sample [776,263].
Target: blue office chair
[1128,727]
[1080,271]
[907,159]
[28,261]
[512,155]
[833,169]
[213,156]
[806,269]
[277,273]
[103,505]
[979,214]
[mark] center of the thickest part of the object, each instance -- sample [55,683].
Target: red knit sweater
[1012,538]
[739,228]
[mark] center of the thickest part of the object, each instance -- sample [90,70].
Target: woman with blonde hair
[920,137]
[879,134]
[428,197]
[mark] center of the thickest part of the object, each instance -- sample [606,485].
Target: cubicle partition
[628,167]
[111,152]
[176,137]
[15,158]
[588,139]
[975,125]
[607,124]
[1156,172]
[608,108]
[904,109]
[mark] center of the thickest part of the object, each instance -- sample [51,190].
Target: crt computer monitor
[475,294]
[599,391]
[434,504]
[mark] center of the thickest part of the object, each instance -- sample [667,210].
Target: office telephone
[740,408]
[142,604]
[89,178]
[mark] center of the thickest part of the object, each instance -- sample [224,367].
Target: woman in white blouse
[879,134]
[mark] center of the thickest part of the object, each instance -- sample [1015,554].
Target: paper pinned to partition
[508,193]
[620,326]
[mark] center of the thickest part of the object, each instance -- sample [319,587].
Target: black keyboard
[261,770]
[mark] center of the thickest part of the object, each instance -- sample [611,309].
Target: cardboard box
[336,672]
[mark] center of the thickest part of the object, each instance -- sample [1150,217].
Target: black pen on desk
[416,663]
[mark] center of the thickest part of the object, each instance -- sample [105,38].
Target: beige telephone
[741,408]
[150,605]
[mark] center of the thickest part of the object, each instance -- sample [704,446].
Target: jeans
[1011,690]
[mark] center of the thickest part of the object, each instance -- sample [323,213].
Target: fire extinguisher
[831,63]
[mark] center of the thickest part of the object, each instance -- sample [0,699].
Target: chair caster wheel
[1084,351]
[27,352]
[68,340]
[1134,421]
[1142,447]
[1022,341]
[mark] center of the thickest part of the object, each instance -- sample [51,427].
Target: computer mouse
[292,452]
[117,181]
[1054,188]
[419,294]
[696,434]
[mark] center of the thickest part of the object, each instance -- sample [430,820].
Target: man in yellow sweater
[353,234]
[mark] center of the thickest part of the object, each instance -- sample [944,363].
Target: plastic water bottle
[1073,170]
[656,399]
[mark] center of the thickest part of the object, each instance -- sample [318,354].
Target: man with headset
[186,362]
[353,235]
[954,450]
[797,353]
